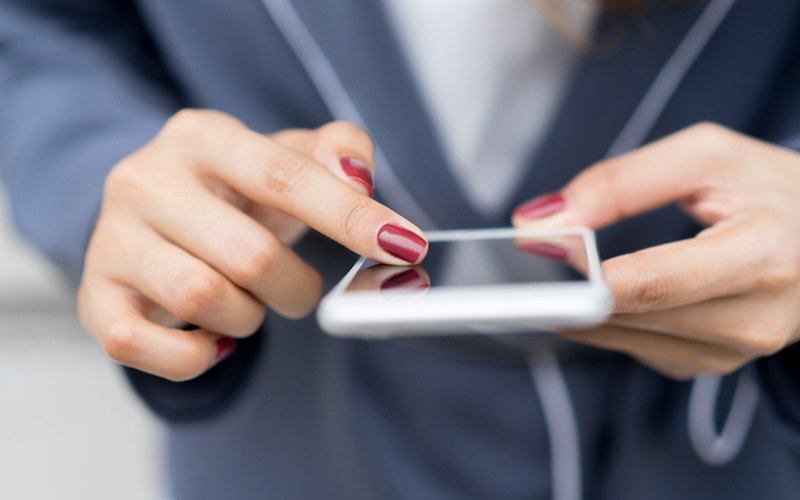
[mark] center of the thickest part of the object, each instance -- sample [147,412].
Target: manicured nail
[407,280]
[545,250]
[401,243]
[358,170]
[224,348]
[542,206]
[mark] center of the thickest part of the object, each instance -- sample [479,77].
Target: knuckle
[649,289]
[285,171]
[254,322]
[137,181]
[710,134]
[253,266]
[776,278]
[198,295]
[185,122]
[717,145]
[188,364]
[764,339]
[777,272]
[352,219]
[189,119]
[724,365]
[769,344]
[126,177]
[119,341]
[192,125]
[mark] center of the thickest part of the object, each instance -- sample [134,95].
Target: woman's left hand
[712,303]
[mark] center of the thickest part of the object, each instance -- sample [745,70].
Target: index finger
[296,184]
[684,272]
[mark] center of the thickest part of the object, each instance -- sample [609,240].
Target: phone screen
[481,262]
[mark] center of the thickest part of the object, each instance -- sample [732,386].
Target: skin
[712,303]
[197,227]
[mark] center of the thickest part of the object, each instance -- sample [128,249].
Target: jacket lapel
[357,39]
[604,92]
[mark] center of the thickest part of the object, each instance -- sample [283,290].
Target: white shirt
[491,73]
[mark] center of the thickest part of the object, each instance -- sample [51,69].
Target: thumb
[621,187]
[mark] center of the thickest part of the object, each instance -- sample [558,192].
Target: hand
[196,227]
[712,303]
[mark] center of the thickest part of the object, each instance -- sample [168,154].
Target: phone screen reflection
[480,263]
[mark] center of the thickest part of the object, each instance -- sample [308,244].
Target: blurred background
[70,428]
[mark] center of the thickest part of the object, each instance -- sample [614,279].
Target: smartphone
[487,281]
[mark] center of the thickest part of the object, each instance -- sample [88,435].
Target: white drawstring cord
[340,104]
[715,448]
[562,426]
[546,374]
[652,105]
[560,421]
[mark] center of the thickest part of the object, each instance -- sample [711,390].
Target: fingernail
[224,348]
[407,280]
[542,206]
[358,170]
[401,243]
[545,250]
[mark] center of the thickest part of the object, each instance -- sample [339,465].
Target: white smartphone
[475,281]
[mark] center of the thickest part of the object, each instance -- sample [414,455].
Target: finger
[274,175]
[684,272]
[189,288]
[345,149]
[240,249]
[116,316]
[744,323]
[648,178]
[703,357]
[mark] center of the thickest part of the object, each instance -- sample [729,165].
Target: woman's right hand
[196,227]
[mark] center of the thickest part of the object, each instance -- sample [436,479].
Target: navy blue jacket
[296,414]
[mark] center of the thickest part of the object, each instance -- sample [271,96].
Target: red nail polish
[542,206]
[401,243]
[545,250]
[224,348]
[407,280]
[358,170]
